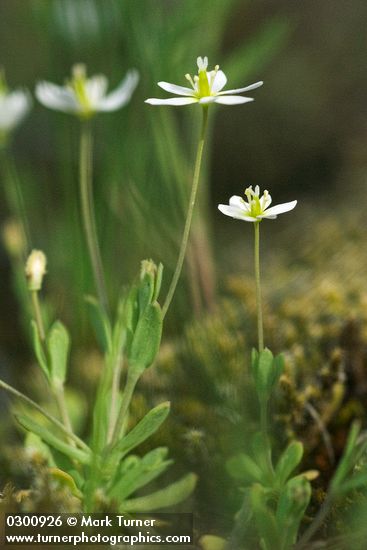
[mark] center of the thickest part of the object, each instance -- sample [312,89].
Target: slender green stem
[125,404]
[114,397]
[38,314]
[58,391]
[14,197]
[59,394]
[260,330]
[186,232]
[86,198]
[49,417]
[264,416]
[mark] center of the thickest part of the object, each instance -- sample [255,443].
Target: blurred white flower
[206,88]
[84,96]
[255,208]
[13,107]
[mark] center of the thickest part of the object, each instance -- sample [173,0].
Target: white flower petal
[239,203]
[96,87]
[265,201]
[279,209]
[13,108]
[56,97]
[220,80]
[171,101]
[119,97]
[174,89]
[235,212]
[241,90]
[232,99]
[207,99]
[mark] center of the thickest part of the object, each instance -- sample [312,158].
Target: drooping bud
[35,269]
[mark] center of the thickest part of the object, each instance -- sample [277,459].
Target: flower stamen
[189,78]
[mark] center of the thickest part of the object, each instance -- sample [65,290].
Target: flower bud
[150,281]
[35,269]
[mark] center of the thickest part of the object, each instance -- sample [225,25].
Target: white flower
[84,96]
[13,107]
[256,208]
[206,88]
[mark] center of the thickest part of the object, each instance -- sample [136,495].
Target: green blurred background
[303,138]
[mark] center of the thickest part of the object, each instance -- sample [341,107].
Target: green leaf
[347,461]
[254,362]
[169,496]
[144,429]
[64,479]
[52,440]
[264,518]
[357,481]
[292,505]
[266,371]
[100,323]
[288,461]
[261,452]
[58,345]
[243,467]
[146,339]
[264,374]
[38,349]
[158,282]
[142,472]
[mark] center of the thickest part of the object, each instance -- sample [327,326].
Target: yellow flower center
[203,81]
[78,85]
[254,202]
[204,88]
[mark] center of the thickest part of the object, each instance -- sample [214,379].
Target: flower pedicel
[206,88]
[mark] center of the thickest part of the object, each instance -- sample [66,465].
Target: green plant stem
[114,397]
[125,403]
[15,199]
[89,223]
[264,416]
[260,329]
[186,232]
[38,314]
[49,417]
[59,394]
[58,391]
